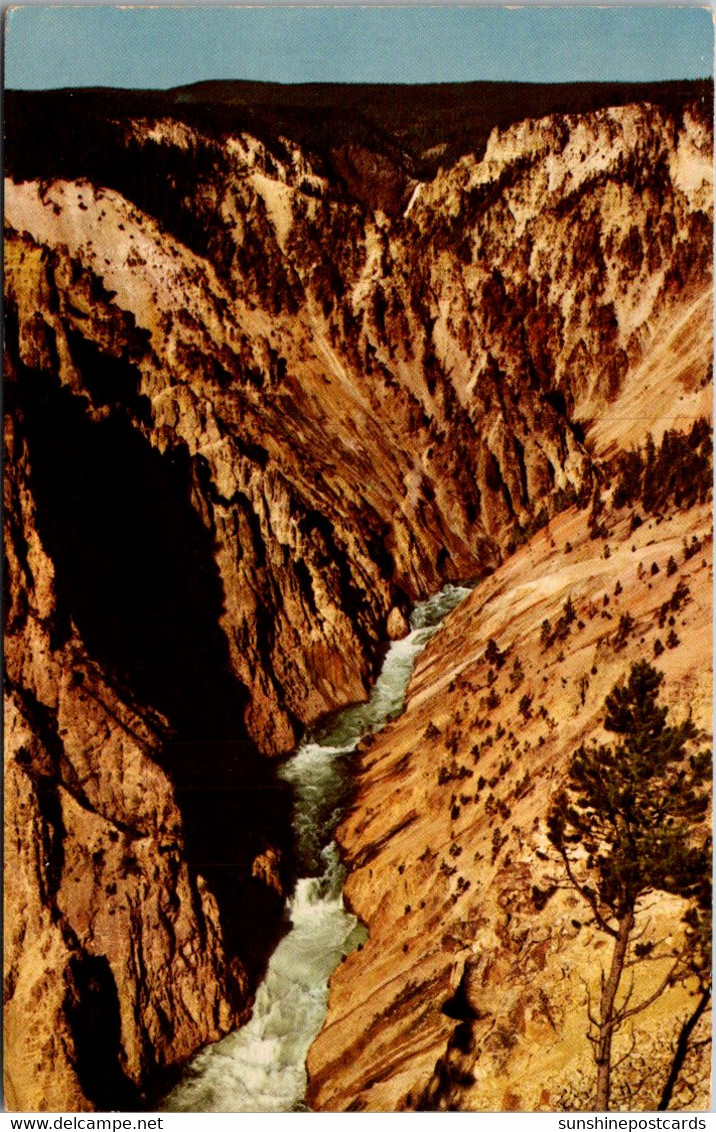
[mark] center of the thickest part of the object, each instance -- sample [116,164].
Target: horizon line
[694,79]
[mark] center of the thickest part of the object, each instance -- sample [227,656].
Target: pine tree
[628,822]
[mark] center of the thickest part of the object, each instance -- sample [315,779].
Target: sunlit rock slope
[471,991]
[265,389]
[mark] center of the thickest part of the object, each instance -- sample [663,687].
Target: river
[261,1067]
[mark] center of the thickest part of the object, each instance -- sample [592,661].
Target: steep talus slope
[471,990]
[261,402]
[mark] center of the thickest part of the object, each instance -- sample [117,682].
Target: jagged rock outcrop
[388,343]
[264,394]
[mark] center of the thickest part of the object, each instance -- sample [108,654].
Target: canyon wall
[471,991]
[115,961]
[259,400]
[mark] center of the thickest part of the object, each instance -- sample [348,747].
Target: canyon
[267,385]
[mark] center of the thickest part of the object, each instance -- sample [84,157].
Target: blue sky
[160,47]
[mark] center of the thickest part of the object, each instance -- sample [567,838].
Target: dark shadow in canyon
[92,1009]
[366,138]
[135,573]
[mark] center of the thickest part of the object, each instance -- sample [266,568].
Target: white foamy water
[261,1067]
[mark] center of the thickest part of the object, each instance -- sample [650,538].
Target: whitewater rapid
[261,1067]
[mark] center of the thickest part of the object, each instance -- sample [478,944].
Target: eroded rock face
[115,962]
[470,993]
[387,396]
[260,403]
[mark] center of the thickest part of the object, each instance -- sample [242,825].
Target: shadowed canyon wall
[263,390]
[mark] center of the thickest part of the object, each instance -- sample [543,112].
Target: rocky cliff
[115,966]
[264,390]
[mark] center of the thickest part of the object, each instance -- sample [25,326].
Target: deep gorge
[261,397]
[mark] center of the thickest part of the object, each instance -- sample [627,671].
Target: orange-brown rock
[264,394]
[389,396]
[115,968]
[470,992]
[397,625]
